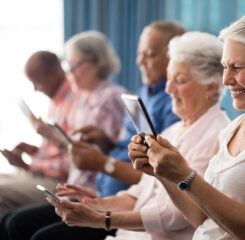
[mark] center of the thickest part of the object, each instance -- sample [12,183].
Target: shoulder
[113,89]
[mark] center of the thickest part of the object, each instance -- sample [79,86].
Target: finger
[66,193]
[87,191]
[61,187]
[136,139]
[152,143]
[80,145]
[137,147]
[52,202]
[165,143]
[85,129]
[67,204]
[136,154]
[140,162]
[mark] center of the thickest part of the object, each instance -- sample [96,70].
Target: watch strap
[185,184]
[107,220]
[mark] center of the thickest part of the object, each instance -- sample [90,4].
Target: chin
[239,106]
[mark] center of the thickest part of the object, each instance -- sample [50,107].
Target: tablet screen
[138,114]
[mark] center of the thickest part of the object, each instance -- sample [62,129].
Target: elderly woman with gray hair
[214,205]
[194,83]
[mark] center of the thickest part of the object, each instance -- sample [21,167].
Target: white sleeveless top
[227,174]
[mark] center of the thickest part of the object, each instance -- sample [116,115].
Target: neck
[93,83]
[189,120]
[59,83]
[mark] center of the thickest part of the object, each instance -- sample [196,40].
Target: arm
[86,157]
[77,214]
[231,217]
[169,165]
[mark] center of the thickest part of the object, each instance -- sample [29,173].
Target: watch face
[183,186]
[109,167]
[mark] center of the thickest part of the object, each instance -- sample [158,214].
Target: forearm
[184,203]
[124,172]
[123,202]
[129,220]
[226,212]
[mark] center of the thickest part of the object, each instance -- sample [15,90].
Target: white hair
[94,46]
[236,31]
[203,52]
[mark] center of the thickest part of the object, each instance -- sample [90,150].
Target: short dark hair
[46,60]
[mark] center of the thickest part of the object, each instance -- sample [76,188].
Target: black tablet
[138,114]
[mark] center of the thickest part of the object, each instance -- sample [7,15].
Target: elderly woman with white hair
[194,83]
[214,205]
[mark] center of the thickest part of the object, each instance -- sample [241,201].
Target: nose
[228,77]
[140,59]
[169,86]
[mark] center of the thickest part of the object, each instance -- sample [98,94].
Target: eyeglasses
[71,66]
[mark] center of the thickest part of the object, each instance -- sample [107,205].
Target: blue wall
[123,20]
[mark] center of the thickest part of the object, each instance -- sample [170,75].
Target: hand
[85,195]
[138,155]
[14,159]
[166,161]
[24,147]
[86,157]
[46,130]
[93,134]
[77,214]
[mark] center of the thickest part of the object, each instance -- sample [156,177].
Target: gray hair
[236,31]
[94,46]
[203,52]
[169,29]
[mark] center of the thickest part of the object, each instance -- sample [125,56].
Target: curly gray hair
[203,52]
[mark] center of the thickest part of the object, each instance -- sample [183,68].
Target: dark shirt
[158,105]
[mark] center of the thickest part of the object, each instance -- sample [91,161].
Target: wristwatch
[185,184]
[109,166]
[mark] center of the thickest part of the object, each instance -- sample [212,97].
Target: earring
[206,98]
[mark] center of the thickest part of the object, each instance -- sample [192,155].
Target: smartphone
[48,193]
[139,115]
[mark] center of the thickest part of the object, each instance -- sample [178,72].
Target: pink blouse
[197,144]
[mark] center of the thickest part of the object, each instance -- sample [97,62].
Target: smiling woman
[22,37]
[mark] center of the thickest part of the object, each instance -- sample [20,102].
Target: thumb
[67,204]
[165,143]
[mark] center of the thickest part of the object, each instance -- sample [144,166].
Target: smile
[237,93]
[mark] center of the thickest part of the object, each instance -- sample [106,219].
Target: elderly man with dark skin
[49,163]
[215,205]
